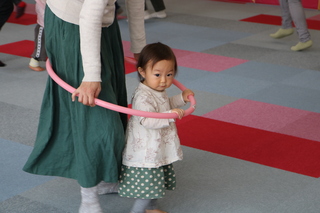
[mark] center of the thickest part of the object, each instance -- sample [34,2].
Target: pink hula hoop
[122,109]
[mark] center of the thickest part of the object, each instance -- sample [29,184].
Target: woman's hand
[87,92]
[186,93]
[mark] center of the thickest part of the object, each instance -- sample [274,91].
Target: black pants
[158,5]
[6,8]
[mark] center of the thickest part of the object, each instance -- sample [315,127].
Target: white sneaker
[160,14]
[147,15]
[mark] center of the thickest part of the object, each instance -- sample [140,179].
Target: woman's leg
[90,200]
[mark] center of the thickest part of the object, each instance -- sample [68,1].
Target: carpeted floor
[251,146]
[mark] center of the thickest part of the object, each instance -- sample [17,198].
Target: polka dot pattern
[146,183]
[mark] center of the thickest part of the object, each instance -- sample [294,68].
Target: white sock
[90,200]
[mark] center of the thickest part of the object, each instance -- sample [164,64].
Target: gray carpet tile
[19,204]
[18,124]
[246,52]
[206,182]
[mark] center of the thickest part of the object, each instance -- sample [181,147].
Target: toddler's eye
[170,75]
[157,75]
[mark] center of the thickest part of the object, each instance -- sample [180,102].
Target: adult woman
[76,139]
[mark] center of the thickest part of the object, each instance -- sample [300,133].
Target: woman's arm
[90,24]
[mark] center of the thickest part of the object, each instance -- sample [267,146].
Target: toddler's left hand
[186,93]
[179,112]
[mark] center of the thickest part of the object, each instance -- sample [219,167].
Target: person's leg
[158,5]
[286,22]
[39,49]
[286,25]
[159,8]
[90,200]
[140,205]
[153,204]
[299,19]
[6,8]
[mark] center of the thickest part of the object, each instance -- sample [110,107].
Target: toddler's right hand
[180,112]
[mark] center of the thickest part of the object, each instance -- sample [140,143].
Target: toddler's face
[160,76]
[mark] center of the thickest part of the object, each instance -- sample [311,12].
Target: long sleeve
[144,102]
[148,145]
[91,16]
[176,101]
[90,38]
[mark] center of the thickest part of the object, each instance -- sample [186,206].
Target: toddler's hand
[186,93]
[180,112]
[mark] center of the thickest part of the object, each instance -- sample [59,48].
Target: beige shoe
[282,33]
[302,46]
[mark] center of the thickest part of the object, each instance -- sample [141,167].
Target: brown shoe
[37,69]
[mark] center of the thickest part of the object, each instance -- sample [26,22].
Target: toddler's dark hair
[154,53]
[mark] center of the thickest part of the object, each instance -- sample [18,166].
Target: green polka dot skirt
[146,183]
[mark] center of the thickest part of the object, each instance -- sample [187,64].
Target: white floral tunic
[152,142]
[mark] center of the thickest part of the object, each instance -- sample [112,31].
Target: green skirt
[76,141]
[146,183]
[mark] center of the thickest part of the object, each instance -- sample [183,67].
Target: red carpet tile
[129,67]
[313,24]
[21,48]
[264,19]
[26,19]
[263,147]
[276,20]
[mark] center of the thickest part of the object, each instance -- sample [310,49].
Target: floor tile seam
[271,84]
[224,27]
[265,102]
[278,129]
